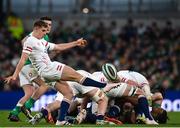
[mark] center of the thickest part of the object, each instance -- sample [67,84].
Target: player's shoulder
[31,39]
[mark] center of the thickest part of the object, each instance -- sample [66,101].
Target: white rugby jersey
[134,76]
[38,52]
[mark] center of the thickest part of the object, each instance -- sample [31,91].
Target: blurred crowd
[149,49]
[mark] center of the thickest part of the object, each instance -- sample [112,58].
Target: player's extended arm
[19,66]
[65,46]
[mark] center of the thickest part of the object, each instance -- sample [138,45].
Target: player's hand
[9,79]
[81,42]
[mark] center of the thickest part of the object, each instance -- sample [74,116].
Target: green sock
[16,110]
[30,103]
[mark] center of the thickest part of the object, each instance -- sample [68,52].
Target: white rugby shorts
[53,72]
[140,79]
[27,74]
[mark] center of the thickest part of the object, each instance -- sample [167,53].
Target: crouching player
[134,78]
[137,79]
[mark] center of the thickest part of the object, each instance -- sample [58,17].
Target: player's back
[125,75]
[135,76]
[99,76]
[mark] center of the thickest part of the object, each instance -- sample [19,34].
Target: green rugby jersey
[46,37]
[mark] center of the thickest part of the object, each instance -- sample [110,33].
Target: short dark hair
[40,23]
[46,18]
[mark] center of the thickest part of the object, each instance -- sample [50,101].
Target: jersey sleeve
[28,46]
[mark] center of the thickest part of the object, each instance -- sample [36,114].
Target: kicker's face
[41,32]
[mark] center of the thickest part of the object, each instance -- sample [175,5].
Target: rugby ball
[109,71]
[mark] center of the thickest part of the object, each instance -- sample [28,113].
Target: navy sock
[99,117]
[63,110]
[138,110]
[143,105]
[91,82]
[44,112]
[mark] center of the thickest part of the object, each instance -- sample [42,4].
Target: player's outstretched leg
[65,104]
[143,105]
[30,103]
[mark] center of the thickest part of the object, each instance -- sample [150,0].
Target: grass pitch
[174,121]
